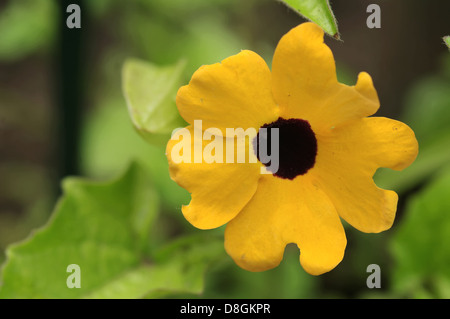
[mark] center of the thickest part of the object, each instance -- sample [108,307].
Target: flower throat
[297,147]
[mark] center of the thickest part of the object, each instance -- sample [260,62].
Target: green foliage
[26,26]
[114,231]
[179,267]
[105,229]
[318,11]
[420,245]
[288,280]
[150,94]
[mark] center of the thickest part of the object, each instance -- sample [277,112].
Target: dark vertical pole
[69,69]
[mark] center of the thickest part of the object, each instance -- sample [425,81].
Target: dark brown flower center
[297,147]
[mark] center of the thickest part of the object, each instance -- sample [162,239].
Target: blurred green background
[63,113]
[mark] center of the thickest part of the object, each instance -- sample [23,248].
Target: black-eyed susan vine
[329,145]
[303,202]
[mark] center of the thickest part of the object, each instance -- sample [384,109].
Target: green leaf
[102,227]
[318,11]
[105,229]
[420,245]
[150,93]
[181,271]
[447,41]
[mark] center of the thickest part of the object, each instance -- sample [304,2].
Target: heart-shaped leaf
[104,229]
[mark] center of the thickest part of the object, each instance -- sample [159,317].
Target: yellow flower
[329,151]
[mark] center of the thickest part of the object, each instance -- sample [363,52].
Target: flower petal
[305,84]
[235,93]
[282,212]
[218,190]
[347,160]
